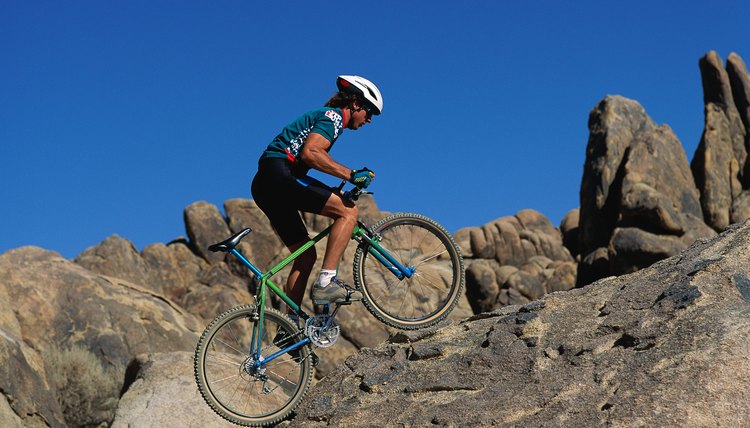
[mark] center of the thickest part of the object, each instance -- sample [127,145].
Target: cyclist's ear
[357,104]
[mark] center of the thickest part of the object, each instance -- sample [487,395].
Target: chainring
[322,330]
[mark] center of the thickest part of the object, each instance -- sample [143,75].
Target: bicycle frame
[360,233]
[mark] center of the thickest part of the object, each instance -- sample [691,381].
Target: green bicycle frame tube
[266,282]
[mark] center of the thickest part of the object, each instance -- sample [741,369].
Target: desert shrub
[87,392]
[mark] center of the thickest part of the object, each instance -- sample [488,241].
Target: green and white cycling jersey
[326,121]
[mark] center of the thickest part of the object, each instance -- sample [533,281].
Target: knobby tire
[431,293]
[225,384]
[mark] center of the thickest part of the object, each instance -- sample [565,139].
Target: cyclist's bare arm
[314,154]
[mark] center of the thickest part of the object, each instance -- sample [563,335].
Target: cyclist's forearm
[322,161]
[315,155]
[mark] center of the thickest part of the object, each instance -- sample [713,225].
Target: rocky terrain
[665,346]
[107,338]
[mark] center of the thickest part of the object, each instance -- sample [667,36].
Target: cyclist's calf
[301,269]
[344,217]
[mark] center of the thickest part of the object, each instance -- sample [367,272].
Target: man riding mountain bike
[281,188]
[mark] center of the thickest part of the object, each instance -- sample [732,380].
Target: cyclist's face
[360,116]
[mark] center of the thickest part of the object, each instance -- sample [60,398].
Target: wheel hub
[250,372]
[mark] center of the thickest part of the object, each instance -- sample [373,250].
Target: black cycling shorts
[281,196]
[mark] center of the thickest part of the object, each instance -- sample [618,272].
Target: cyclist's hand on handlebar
[361,177]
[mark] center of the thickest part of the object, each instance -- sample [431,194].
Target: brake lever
[353,196]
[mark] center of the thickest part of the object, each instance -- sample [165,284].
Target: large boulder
[25,396]
[205,226]
[660,213]
[613,125]
[58,305]
[57,302]
[720,164]
[739,79]
[716,170]
[639,201]
[513,260]
[173,271]
[665,346]
[162,394]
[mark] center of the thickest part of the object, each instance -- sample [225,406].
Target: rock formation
[639,202]
[55,305]
[121,305]
[665,346]
[514,260]
[164,395]
[653,347]
[720,163]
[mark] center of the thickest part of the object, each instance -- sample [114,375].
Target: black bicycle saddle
[229,244]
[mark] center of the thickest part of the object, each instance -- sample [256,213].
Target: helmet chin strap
[346,112]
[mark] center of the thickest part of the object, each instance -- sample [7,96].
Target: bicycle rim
[226,380]
[432,291]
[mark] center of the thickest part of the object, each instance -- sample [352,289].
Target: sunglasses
[369,110]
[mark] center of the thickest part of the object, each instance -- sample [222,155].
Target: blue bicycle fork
[384,257]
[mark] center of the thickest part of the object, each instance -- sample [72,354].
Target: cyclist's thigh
[310,195]
[337,206]
[281,196]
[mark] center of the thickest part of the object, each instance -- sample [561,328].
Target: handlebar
[352,194]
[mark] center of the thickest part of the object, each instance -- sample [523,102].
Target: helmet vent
[371,92]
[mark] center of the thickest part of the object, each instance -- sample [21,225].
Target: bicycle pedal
[314,359]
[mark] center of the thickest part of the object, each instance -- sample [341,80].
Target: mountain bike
[253,364]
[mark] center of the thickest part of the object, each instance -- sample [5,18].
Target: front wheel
[423,246]
[236,388]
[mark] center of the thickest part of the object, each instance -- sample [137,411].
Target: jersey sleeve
[329,125]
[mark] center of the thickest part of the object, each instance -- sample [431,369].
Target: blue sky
[116,115]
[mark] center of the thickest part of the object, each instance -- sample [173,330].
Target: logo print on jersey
[296,144]
[337,122]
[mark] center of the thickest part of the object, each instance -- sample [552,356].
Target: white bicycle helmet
[361,86]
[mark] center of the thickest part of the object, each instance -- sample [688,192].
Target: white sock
[324,278]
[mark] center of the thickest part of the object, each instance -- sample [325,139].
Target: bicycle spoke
[429,281]
[430,258]
[229,346]
[226,378]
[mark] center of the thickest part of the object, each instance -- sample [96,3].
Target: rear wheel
[430,294]
[230,382]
